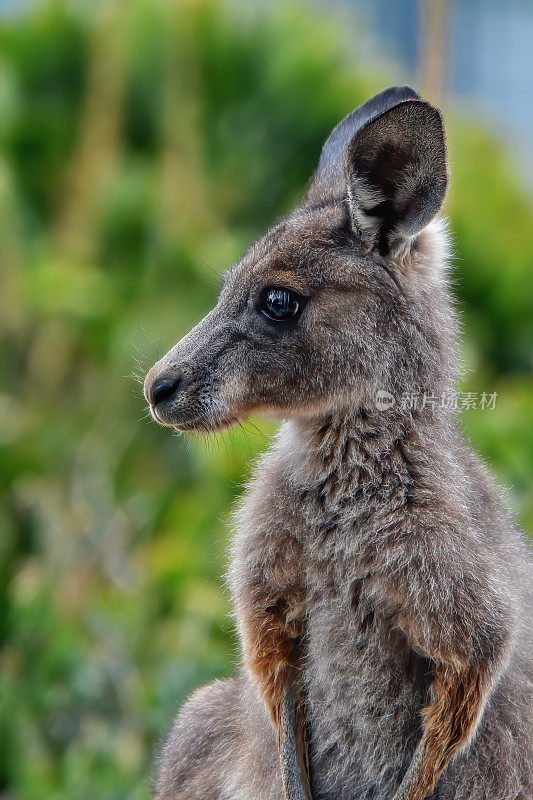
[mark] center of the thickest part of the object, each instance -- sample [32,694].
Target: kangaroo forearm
[292,745]
[274,668]
[449,723]
[271,630]
[272,637]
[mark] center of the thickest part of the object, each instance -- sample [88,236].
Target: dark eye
[280,305]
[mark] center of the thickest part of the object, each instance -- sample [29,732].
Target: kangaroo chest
[365,685]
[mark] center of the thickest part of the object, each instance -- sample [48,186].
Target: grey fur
[372,557]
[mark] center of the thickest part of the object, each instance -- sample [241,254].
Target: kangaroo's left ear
[396,174]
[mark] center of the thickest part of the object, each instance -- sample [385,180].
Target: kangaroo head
[342,298]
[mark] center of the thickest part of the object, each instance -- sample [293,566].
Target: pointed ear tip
[416,107]
[417,102]
[406,88]
[427,105]
[400,90]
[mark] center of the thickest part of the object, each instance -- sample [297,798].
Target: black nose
[163,390]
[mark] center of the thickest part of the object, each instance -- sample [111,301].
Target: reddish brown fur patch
[273,651]
[273,635]
[448,723]
[273,659]
[301,745]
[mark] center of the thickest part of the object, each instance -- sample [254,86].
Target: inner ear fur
[396,172]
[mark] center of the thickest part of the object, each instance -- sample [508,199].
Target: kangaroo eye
[279,305]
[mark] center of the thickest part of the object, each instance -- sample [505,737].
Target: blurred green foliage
[141,143]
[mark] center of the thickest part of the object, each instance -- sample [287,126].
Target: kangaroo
[380,589]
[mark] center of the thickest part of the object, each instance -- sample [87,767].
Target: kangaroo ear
[396,174]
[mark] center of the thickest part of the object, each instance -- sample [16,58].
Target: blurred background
[142,146]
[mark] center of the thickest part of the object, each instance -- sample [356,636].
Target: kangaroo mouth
[192,423]
[206,426]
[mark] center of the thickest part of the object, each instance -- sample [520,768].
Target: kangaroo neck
[367,454]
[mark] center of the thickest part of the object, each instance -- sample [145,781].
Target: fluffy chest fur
[365,685]
[365,691]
